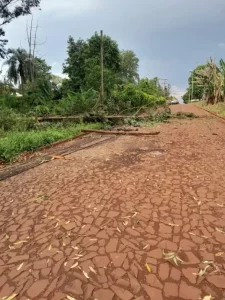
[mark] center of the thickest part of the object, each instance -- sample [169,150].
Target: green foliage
[10,121]
[186,96]
[150,86]
[42,110]
[198,90]
[83,64]
[10,10]
[76,103]
[111,52]
[129,66]
[74,66]
[17,142]
[130,97]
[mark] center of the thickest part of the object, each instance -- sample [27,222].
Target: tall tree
[12,9]
[83,63]
[129,66]
[74,66]
[111,52]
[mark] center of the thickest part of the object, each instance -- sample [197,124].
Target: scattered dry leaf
[219,253]
[92,270]
[148,268]
[201,272]
[50,248]
[20,266]
[20,242]
[145,247]
[208,262]
[172,257]
[57,157]
[134,215]
[57,224]
[11,297]
[85,274]
[220,230]
[173,225]
[70,298]
[118,230]
[74,266]
[209,297]
[75,248]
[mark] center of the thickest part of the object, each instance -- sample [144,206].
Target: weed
[16,142]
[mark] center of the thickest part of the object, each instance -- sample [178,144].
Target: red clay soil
[189,108]
[87,227]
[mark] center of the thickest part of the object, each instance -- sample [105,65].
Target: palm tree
[18,63]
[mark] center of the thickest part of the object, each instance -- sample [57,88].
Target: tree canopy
[129,66]
[207,82]
[12,9]
[83,63]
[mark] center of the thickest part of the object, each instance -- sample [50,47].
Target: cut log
[120,132]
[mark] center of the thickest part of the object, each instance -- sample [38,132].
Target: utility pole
[102,71]
[165,84]
[192,86]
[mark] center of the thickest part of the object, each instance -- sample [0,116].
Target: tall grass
[16,142]
[218,108]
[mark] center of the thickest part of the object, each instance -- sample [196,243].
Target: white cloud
[60,75]
[221,45]
[177,92]
[67,7]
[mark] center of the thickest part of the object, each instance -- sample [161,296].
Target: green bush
[42,110]
[129,96]
[75,103]
[9,121]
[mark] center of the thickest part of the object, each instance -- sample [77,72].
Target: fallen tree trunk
[120,132]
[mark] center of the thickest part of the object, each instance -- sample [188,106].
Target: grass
[218,108]
[16,142]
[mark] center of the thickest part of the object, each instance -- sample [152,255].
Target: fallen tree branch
[120,132]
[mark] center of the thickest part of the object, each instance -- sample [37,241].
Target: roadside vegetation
[207,83]
[29,90]
[15,142]
[218,108]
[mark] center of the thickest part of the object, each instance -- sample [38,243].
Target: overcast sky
[170,37]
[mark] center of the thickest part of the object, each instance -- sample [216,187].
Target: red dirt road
[86,227]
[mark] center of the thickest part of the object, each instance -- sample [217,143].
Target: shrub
[129,96]
[42,110]
[9,120]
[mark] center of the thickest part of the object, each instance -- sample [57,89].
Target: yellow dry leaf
[173,225]
[219,253]
[208,297]
[20,242]
[11,297]
[70,298]
[148,268]
[57,157]
[219,230]
[20,266]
